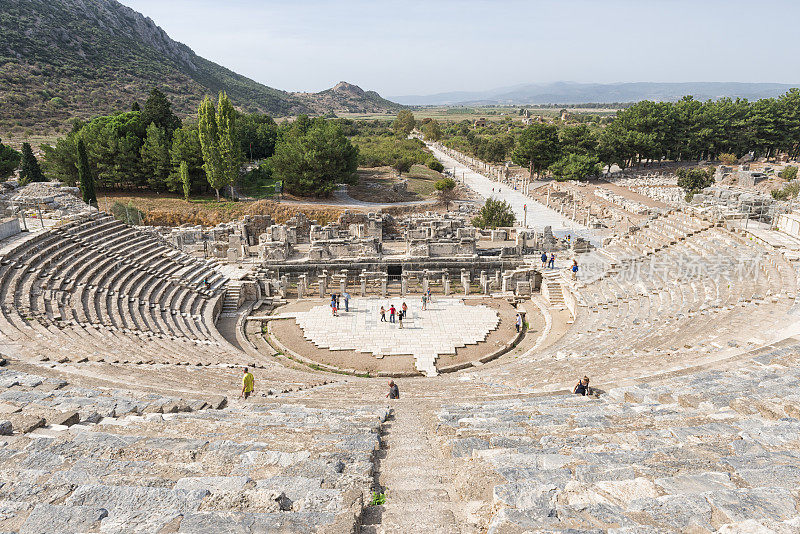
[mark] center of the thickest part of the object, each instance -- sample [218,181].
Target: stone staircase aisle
[418,485]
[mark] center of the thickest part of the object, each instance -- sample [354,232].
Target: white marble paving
[447,324]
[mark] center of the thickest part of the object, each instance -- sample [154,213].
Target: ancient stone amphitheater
[119,408]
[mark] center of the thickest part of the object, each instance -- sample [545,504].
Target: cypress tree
[30,170]
[85,178]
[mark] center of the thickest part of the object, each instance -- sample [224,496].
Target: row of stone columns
[340,279]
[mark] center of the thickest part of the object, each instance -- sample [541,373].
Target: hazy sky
[420,47]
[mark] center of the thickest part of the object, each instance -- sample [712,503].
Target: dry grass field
[171,210]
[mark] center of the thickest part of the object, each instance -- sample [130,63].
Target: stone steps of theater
[214,469]
[662,453]
[416,479]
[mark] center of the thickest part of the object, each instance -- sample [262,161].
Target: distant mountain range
[78,58]
[582,93]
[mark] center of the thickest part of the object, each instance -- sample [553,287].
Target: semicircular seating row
[101,290]
[695,288]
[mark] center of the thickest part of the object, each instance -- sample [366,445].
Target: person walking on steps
[551,263]
[574,269]
[383,314]
[400,314]
[248,384]
[424,301]
[347,302]
[544,260]
[518,322]
[392,312]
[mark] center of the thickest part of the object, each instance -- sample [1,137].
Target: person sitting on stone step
[394,391]
[582,387]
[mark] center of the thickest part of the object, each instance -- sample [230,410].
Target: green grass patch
[378,499]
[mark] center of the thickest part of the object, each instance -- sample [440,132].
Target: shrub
[790,191]
[435,165]
[728,158]
[788,173]
[494,213]
[127,214]
[378,499]
[694,180]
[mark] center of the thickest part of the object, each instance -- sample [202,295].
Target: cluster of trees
[145,148]
[150,148]
[313,156]
[492,143]
[569,152]
[138,149]
[25,161]
[399,153]
[692,130]
[686,130]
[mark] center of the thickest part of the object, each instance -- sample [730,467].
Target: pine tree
[85,178]
[157,110]
[154,155]
[186,180]
[30,170]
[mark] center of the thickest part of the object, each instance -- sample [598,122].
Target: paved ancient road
[340,198]
[538,217]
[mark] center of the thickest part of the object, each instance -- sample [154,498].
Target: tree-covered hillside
[61,59]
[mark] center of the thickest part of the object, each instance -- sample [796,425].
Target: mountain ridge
[61,59]
[581,93]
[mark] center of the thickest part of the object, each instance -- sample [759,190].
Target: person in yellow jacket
[248,382]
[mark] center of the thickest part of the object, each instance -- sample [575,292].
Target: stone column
[363,277]
[284,286]
[323,282]
[267,288]
[446,284]
[506,279]
[301,286]
[343,282]
[384,283]
[465,281]
[425,281]
[403,284]
[484,280]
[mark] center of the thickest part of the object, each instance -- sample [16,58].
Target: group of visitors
[336,301]
[549,262]
[394,313]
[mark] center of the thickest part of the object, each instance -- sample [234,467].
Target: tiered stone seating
[100,290]
[266,468]
[701,291]
[685,454]
[24,396]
